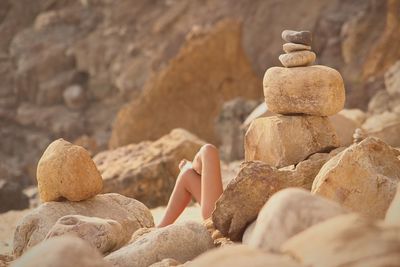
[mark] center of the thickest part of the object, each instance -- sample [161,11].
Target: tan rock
[67,171]
[243,198]
[103,234]
[316,90]
[256,181]
[297,58]
[33,227]
[285,140]
[62,251]
[214,65]
[384,126]
[393,213]
[181,242]
[287,213]
[241,255]
[291,47]
[362,178]
[356,115]
[147,171]
[346,240]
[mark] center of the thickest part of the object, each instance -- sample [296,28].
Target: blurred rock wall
[67,66]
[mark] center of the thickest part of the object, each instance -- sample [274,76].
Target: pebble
[292,47]
[297,59]
[298,37]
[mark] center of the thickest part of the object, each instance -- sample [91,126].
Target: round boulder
[67,171]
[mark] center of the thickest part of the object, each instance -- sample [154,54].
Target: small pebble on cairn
[297,49]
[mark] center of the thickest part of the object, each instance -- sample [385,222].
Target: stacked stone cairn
[302,95]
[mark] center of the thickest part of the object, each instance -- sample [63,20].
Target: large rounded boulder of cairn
[35,226]
[255,183]
[63,251]
[67,171]
[189,92]
[147,171]
[182,242]
[362,178]
[241,255]
[346,240]
[286,214]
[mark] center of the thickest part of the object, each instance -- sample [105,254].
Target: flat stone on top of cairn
[67,171]
[297,49]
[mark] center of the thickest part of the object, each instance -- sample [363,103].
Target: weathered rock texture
[347,240]
[316,90]
[63,251]
[286,140]
[147,171]
[103,234]
[33,227]
[190,91]
[241,255]
[362,178]
[166,263]
[297,58]
[181,242]
[287,213]
[393,213]
[67,171]
[256,181]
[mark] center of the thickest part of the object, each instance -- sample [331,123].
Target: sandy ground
[8,222]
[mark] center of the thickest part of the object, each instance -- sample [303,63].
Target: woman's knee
[208,149]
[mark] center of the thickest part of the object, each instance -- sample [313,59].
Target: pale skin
[200,179]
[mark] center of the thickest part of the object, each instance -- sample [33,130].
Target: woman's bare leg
[187,185]
[206,189]
[211,181]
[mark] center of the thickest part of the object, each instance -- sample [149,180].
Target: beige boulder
[33,227]
[67,171]
[62,251]
[346,240]
[256,181]
[241,255]
[316,90]
[103,234]
[385,126]
[147,171]
[362,178]
[393,213]
[286,140]
[287,213]
[182,242]
[208,70]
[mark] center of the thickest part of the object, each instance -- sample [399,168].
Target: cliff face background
[68,67]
